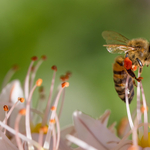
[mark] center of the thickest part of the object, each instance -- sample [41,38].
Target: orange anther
[65,84]
[54,68]
[5,107]
[133,147]
[44,129]
[53,108]
[52,121]
[34,58]
[22,111]
[127,63]
[39,82]
[44,57]
[143,109]
[21,99]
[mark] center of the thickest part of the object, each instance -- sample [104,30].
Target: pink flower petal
[11,92]
[147,148]
[94,132]
[5,143]
[105,117]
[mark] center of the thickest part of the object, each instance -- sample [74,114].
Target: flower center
[144,142]
[38,127]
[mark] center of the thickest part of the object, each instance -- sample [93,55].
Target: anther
[15,67]
[22,111]
[44,57]
[21,99]
[5,107]
[44,129]
[53,108]
[133,148]
[68,73]
[62,78]
[65,84]
[54,68]
[39,82]
[41,89]
[143,109]
[52,121]
[34,58]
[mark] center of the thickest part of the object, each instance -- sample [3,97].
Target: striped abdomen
[120,76]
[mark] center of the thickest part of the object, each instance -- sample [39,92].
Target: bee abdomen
[120,76]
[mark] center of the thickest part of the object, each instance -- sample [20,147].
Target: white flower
[27,133]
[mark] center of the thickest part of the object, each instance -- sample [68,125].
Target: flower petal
[94,132]
[5,143]
[104,118]
[11,92]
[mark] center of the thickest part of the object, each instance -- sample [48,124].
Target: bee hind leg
[132,74]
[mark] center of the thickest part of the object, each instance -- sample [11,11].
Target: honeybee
[137,54]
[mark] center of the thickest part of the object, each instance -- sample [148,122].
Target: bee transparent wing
[112,37]
[116,43]
[119,49]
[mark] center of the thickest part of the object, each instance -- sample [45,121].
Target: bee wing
[119,49]
[112,37]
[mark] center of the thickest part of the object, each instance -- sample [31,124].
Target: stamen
[34,58]
[143,109]
[53,108]
[133,148]
[5,107]
[52,117]
[80,143]
[21,112]
[145,115]
[39,82]
[54,136]
[65,84]
[54,68]
[127,104]
[27,118]
[134,134]
[62,103]
[23,137]
[10,111]
[58,131]
[52,121]
[35,70]
[9,74]
[26,84]
[50,96]
[43,130]
[21,99]
[139,105]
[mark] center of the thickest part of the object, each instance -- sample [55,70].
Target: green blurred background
[69,33]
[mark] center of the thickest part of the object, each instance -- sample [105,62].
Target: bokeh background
[68,32]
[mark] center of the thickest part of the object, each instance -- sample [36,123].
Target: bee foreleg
[131,73]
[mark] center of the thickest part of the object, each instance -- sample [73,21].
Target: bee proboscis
[137,54]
